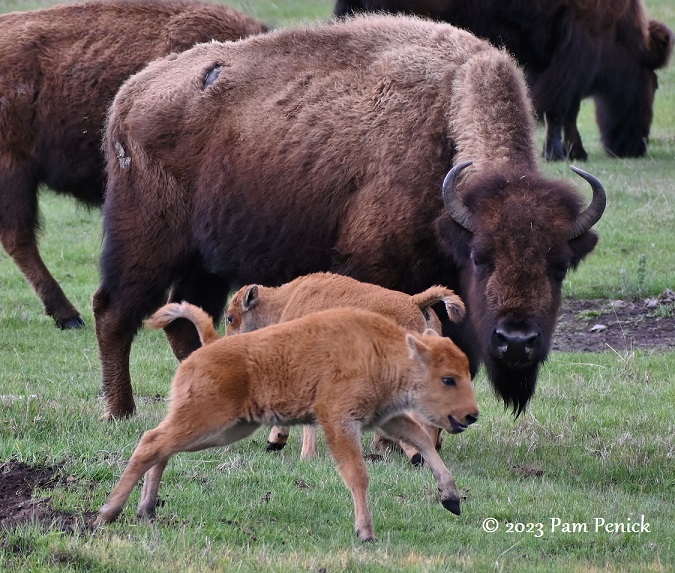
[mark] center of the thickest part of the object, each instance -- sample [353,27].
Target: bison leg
[344,443]
[204,290]
[574,149]
[553,145]
[118,315]
[408,430]
[18,235]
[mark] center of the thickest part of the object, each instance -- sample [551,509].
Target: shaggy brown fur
[571,49]
[346,369]
[59,70]
[256,306]
[326,148]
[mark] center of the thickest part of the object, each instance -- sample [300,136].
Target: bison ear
[417,350]
[581,246]
[453,239]
[250,298]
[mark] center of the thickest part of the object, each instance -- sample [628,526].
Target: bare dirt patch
[602,325]
[19,505]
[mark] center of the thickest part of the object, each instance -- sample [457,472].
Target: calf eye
[229,319]
[449,381]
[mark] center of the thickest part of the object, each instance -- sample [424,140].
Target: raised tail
[170,312]
[435,294]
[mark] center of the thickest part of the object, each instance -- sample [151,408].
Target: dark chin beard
[515,386]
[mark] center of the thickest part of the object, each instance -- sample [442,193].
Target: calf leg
[308,443]
[344,443]
[153,453]
[18,235]
[408,430]
[278,438]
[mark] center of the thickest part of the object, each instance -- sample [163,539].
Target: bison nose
[471,418]
[515,341]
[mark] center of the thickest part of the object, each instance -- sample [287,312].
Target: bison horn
[453,204]
[594,211]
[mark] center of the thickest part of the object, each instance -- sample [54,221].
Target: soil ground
[583,326]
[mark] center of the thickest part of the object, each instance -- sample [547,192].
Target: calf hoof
[105,515]
[71,322]
[417,460]
[452,505]
[274,446]
[366,536]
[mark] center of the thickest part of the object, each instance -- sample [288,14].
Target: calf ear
[250,297]
[430,332]
[417,350]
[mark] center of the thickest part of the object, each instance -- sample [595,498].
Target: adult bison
[570,49]
[59,70]
[325,149]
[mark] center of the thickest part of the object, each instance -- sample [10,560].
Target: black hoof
[274,447]
[452,505]
[74,322]
[417,460]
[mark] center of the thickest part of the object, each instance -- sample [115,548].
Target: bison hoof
[274,446]
[452,505]
[417,460]
[72,322]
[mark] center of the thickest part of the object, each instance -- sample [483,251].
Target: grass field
[596,443]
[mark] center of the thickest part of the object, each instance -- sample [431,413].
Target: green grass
[599,431]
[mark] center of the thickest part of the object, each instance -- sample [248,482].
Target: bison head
[625,86]
[514,237]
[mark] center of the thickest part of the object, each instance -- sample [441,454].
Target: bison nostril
[471,418]
[515,340]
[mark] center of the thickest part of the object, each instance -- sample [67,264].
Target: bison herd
[384,155]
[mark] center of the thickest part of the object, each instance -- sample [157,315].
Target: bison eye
[559,271]
[481,260]
[449,381]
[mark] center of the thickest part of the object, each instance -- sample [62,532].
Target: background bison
[59,70]
[570,49]
[325,149]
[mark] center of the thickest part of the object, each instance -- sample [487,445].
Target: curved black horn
[455,207]
[594,211]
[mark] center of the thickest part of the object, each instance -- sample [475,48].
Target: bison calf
[346,369]
[255,306]
[60,68]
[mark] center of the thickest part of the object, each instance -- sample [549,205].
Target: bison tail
[435,294]
[170,312]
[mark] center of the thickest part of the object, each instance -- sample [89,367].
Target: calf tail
[202,321]
[435,294]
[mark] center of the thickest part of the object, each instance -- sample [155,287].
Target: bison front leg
[18,227]
[408,430]
[344,443]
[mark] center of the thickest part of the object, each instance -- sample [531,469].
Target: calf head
[514,236]
[444,394]
[249,311]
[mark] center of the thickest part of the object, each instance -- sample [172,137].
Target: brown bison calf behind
[59,70]
[326,149]
[346,369]
[255,306]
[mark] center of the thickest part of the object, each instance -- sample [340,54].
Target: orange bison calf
[255,306]
[346,369]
